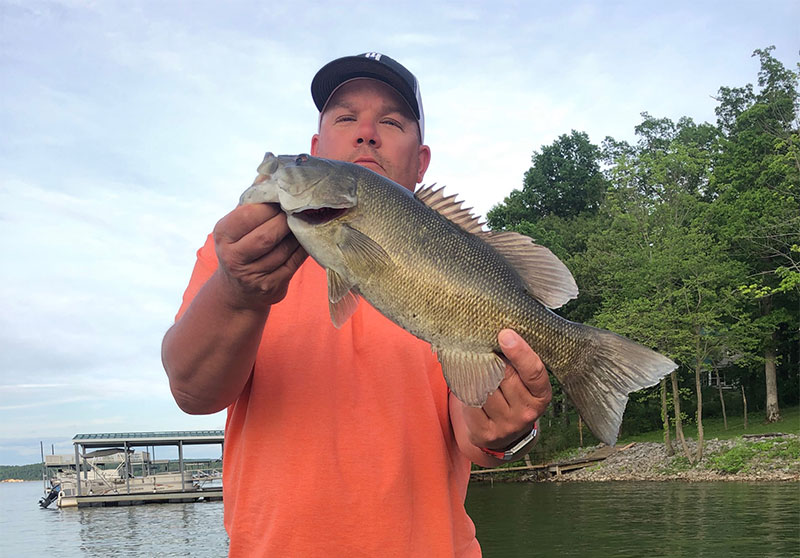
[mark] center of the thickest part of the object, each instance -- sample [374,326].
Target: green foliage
[557,436]
[564,181]
[21,472]
[686,240]
[742,456]
[665,277]
[713,427]
[756,180]
[733,460]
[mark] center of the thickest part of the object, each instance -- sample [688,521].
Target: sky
[127,129]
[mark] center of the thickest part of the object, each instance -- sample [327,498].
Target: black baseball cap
[372,65]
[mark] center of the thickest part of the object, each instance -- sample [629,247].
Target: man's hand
[257,255]
[509,413]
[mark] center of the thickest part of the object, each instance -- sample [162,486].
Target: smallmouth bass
[427,264]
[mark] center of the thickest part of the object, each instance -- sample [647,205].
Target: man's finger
[527,363]
[242,220]
[286,254]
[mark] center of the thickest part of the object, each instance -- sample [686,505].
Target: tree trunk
[744,402]
[722,401]
[770,376]
[698,385]
[580,430]
[773,412]
[676,403]
[665,418]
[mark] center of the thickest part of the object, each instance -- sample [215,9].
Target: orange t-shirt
[341,443]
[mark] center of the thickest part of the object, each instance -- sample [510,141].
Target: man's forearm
[209,352]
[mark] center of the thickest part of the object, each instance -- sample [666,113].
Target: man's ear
[314,144]
[424,155]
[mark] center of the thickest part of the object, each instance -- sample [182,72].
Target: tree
[757,180]
[564,181]
[558,207]
[687,240]
[665,277]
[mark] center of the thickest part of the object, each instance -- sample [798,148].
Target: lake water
[638,519]
[542,519]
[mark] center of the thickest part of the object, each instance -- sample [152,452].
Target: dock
[107,470]
[553,469]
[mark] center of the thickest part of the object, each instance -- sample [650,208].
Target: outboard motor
[51,496]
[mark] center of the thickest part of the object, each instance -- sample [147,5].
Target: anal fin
[471,376]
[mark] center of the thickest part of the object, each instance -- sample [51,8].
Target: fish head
[321,202]
[314,187]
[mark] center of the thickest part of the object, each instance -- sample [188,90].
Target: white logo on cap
[375,55]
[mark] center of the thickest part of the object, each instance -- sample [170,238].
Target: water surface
[544,519]
[636,519]
[158,530]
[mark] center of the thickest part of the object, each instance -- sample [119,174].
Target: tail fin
[614,367]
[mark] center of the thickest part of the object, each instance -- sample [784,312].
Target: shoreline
[768,458]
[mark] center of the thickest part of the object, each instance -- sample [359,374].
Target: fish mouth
[320,215]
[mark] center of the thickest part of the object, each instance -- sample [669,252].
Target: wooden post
[44,468]
[180,460]
[127,468]
[77,469]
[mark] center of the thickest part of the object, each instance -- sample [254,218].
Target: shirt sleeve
[204,267]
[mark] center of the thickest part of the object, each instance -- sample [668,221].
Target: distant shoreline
[769,458]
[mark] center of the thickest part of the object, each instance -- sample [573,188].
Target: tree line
[21,472]
[688,241]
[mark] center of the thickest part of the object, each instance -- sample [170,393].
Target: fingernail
[507,339]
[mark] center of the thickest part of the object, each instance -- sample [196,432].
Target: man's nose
[367,132]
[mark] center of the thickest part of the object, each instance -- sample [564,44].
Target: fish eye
[301,159]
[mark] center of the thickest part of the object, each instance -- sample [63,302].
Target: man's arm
[510,412]
[210,351]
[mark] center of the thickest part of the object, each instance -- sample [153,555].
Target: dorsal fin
[448,207]
[545,276]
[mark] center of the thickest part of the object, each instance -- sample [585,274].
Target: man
[338,442]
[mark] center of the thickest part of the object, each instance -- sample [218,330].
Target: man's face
[367,122]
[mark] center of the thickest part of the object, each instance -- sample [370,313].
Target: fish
[428,265]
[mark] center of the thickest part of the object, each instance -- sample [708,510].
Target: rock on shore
[648,461]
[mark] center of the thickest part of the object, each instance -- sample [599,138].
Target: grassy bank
[728,451]
[559,442]
[715,428]
[774,458]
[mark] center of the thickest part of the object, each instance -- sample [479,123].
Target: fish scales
[466,304]
[426,264]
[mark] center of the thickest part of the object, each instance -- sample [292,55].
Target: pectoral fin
[471,376]
[360,251]
[342,301]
